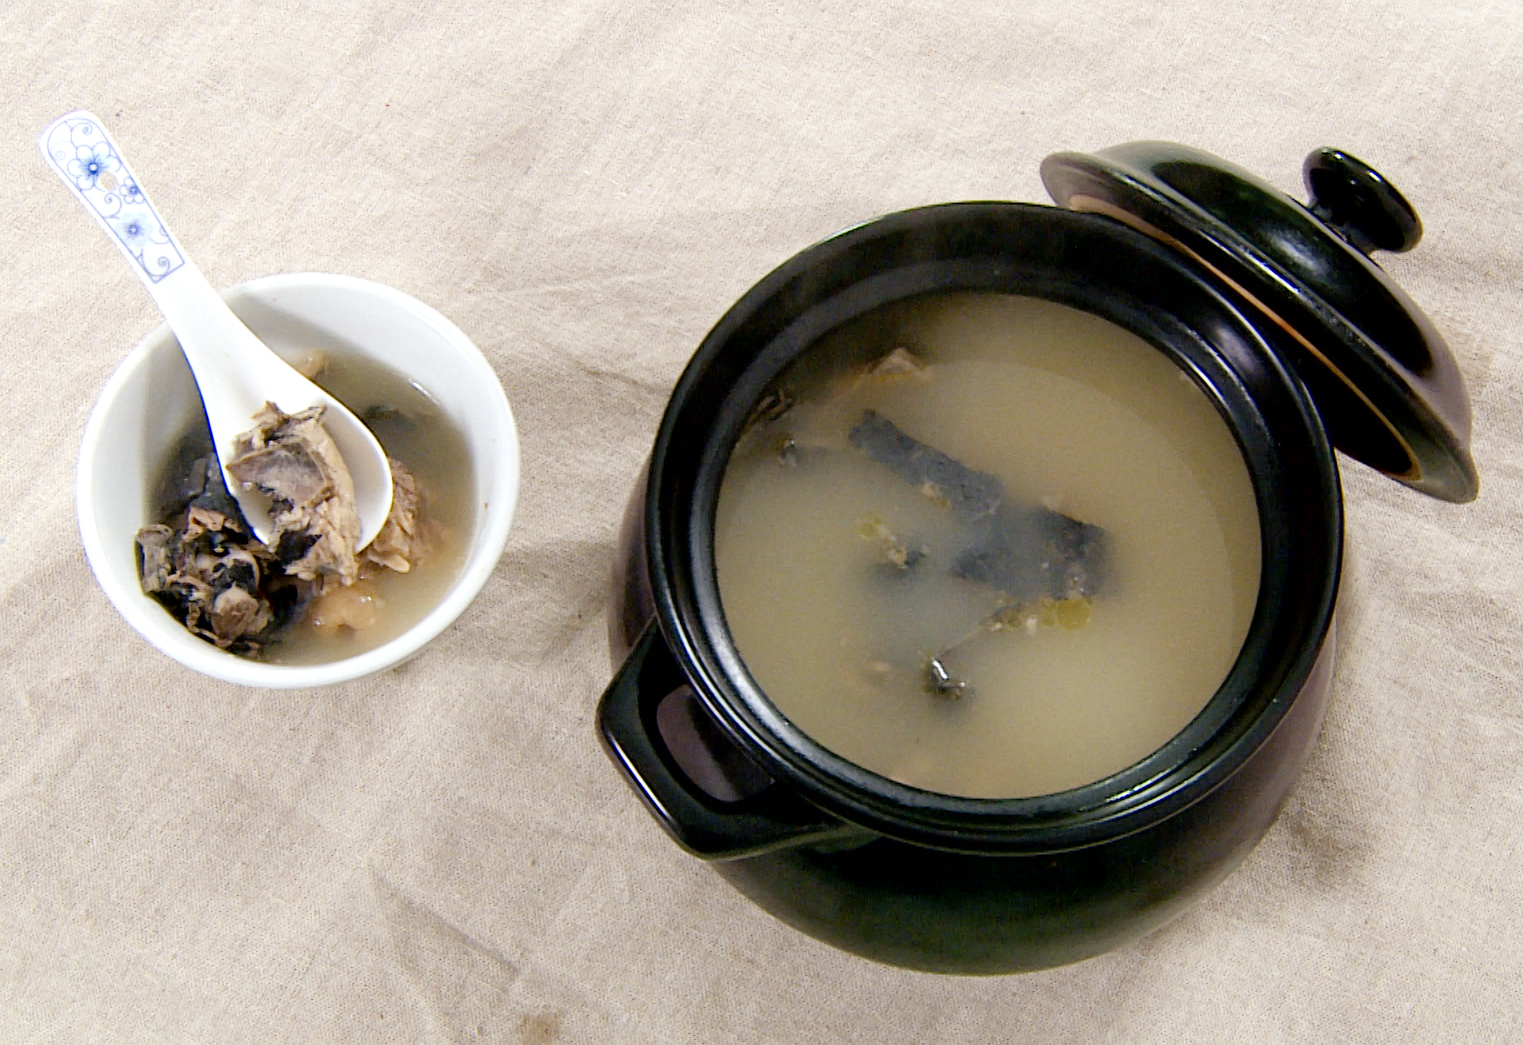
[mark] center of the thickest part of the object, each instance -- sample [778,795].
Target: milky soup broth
[412,428]
[839,576]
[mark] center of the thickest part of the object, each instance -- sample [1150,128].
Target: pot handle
[762,815]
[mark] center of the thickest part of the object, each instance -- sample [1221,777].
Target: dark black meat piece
[1034,553]
[1027,553]
[198,485]
[206,573]
[971,494]
[212,576]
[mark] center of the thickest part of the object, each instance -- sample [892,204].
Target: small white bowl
[151,401]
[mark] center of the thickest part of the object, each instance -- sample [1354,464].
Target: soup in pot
[987,545]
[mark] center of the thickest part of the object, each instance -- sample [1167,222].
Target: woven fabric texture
[442,853]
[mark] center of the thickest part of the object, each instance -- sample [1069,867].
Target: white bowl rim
[150,620]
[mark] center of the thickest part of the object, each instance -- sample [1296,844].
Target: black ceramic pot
[932,881]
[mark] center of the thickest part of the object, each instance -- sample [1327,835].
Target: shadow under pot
[886,664]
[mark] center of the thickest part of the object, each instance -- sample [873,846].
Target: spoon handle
[78,148]
[91,164]
[215,341]
[235,372]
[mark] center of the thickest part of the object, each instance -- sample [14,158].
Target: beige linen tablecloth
[442,853]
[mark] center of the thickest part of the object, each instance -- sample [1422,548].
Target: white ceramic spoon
[235,371]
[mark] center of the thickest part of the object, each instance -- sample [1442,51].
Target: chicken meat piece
[293,460]
[394,547]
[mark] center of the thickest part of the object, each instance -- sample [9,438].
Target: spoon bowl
[236,373]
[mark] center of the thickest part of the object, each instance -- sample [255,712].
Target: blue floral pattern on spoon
[92,165]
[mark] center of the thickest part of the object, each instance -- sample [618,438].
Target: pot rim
[795,304]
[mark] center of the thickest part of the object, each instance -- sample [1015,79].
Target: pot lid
[1386,385]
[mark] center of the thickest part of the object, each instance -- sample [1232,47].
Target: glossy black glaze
[955,913]
[934,881]
[928,909]
[1350,196]
[1386,385]
[701,822]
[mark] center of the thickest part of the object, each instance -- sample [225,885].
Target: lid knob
[1387,387]
[1358,203]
